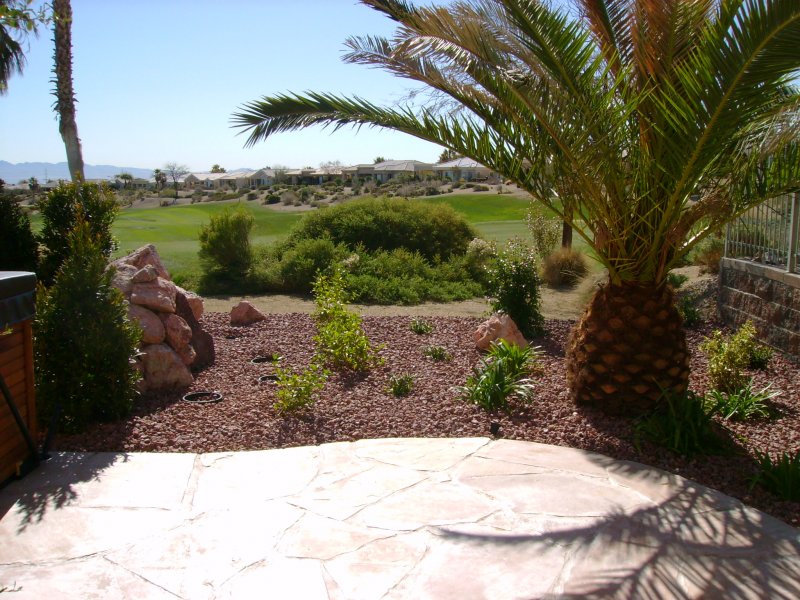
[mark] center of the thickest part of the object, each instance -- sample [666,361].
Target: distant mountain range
[12,173]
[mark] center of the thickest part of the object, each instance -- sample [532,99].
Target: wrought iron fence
[768,234]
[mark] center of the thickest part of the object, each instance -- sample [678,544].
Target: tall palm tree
[16,20]
[64,93]
[655,121]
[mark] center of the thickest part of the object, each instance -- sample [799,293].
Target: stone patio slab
[420,518]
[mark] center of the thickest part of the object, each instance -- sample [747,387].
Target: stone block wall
[767,296]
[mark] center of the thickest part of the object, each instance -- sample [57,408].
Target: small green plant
[514,285]
[676,280]
[421,327]
[501,375]
[437,353]
[760,355]
[742,404]
[728,357]
[296,390]
[681,423]
[708,254]
[688,310]
[401,385]
[341,341]
[781,476]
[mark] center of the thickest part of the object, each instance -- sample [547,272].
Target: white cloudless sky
[157,81]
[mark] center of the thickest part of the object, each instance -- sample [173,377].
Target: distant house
[312,176]
[463,168]
[200,180]
[388,169]
[234,179]
[262,177]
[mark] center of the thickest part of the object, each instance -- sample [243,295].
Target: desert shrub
[383,224]
[478,257]
[84,343]
[421,327]
[295,390]
[298,266]
[289,198]
[401,385]
[480,188]
[61,209]
[514,285]
[681,423]
[708,254]
[729,356]
[781,476]
[676,280]
[18,247]
[437,353]
[252,195]
[272,199]
[742,404]
[340,341]
[545,232]
[225,244]
[501,375]
[564,267]
[686,305]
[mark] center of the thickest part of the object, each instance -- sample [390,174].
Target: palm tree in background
[654,121]
[64,92]
[16,20]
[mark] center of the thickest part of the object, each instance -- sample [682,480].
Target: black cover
[17,295]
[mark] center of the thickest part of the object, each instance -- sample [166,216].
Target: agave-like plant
[645,124]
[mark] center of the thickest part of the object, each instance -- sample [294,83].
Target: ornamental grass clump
[743,404]
[781,476]
[503,374]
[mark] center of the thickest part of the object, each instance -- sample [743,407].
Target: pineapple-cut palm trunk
[627,349]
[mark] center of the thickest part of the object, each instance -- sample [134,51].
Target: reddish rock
[158,295]
[163,369]
[152,328]
[201,342]
[187,354]
[145,274]
[245,313]
[499,326]
[178,332]
[195,301]
[123,278]
[146,255]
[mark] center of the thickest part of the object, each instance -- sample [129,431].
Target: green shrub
[708,254]
[688,310]
[296,390]
[545,231]
[340,341]
[401,385]
[225,244]
[18,248]
[84,343]
[437,353]
[501,375]
[383,224]
[742,404]
[676,280]
[421,327]
[728,357]
[564,267]
[760,356]
[298,265]
[61,209]
[514,285]
[682,424]
[781,476]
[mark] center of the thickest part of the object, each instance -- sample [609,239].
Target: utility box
[17,308]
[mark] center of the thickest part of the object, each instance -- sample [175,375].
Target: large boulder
[153,331]
[178,332]
[498,327]
[146,255]
[201,342]
[157,295]
[163,368]
[195,301]
[245,313]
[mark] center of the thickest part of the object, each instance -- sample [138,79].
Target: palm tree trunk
[628,347]
[65,94]
[566,235]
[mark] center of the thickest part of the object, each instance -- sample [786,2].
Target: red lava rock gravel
[357,406]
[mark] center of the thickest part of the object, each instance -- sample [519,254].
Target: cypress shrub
[18,247]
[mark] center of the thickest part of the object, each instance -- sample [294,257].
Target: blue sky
[157,80]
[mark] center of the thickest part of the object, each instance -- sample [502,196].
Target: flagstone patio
[398,518]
